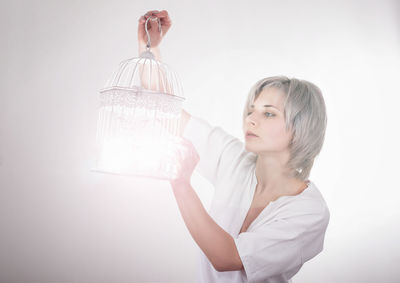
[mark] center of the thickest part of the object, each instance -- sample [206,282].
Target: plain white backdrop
[59,222]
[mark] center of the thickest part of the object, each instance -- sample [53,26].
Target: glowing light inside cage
[133,143]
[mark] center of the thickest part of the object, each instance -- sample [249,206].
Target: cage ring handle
[148,45]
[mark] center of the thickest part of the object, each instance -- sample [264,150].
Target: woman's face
[266,120]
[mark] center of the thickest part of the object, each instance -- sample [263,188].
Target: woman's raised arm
[155,37]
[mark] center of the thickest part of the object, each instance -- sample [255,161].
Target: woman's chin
[248,148]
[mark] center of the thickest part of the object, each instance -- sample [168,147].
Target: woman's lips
[251,136]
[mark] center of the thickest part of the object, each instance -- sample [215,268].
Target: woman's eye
[267,114]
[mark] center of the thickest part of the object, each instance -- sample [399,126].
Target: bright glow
[148,151]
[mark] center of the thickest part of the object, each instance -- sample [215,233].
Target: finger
[196,154]
[142,21]
[162,14]
[141,28]
[150,25]
[185,141]
[151,13]
[181,150]
[189,148]
[164,17]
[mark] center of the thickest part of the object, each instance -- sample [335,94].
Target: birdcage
[139,118]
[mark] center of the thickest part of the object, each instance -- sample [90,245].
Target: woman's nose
[250,119]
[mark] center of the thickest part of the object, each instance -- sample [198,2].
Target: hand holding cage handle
[152,28]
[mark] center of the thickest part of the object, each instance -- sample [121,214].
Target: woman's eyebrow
[266,105]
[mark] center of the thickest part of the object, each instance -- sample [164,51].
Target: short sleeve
[282,245]
[219,151]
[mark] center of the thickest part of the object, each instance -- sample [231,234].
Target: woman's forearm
[185,116]
[215,242]
[151,77]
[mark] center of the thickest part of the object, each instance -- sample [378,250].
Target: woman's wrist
[179,185]
[154,50]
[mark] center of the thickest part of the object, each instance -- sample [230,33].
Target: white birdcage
[139,118]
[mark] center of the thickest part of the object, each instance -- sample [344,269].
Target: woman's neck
[274,180]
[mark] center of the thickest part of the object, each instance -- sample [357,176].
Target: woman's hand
[187,158]
[152,27]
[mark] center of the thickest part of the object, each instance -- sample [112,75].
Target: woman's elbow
[232,265]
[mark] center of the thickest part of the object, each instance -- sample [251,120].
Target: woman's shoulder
[310,201]
[315,197]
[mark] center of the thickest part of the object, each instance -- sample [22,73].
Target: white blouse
[288,232]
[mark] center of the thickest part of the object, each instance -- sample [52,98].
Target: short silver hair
[305,115]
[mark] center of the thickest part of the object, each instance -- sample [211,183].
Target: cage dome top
[145,74]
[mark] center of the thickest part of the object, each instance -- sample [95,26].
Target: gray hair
[305,115]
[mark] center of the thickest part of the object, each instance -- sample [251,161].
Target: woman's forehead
[270,96]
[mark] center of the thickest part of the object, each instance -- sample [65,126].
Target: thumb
[141,21]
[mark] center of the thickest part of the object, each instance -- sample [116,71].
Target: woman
[266,218]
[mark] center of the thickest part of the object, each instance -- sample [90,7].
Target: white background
[59,222]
